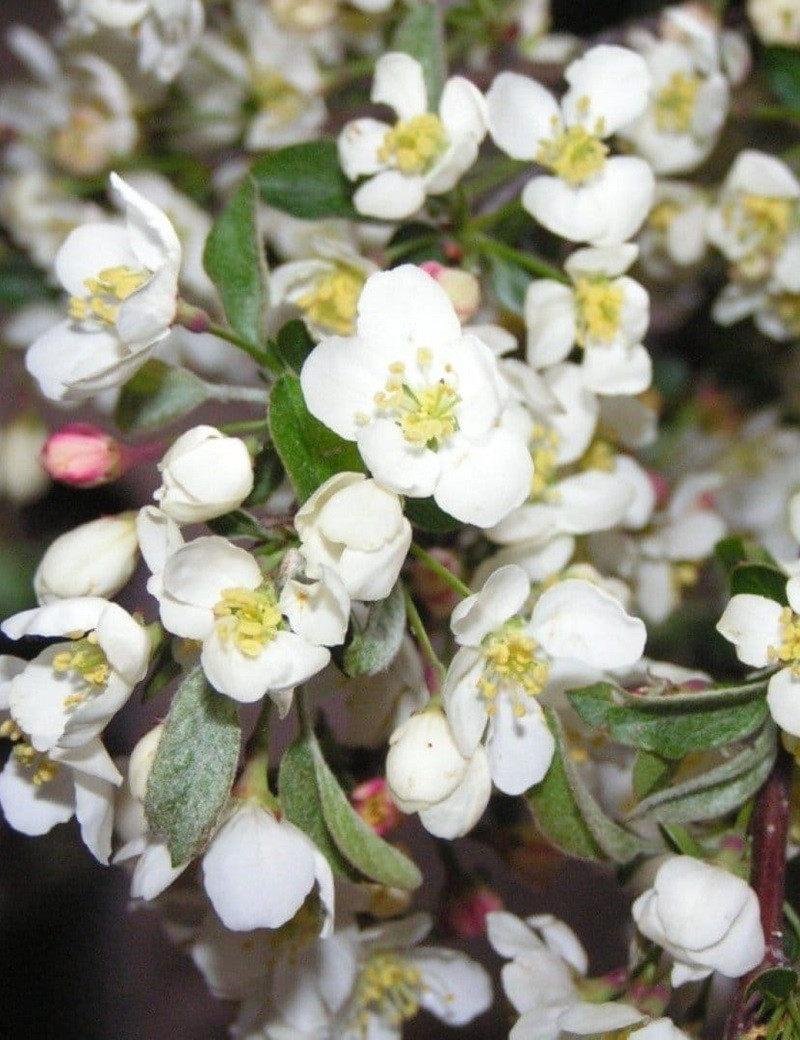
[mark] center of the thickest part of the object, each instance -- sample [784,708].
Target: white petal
[550,320]
[752,624]
[399,83]
[783,698]
[457,814]
[464,705]
[614,80]
[481,483]
[520,747]
[405,307]
[90,249]
[617,369]
[502,596]
[390,195]
[35,809]
[456,988]
[521,115]
[398,465]
[463,110]
[94,809]
[358,145]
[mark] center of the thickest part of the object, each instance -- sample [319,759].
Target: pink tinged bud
[84,456]
[373,803]
[463,289]
[437,596]
[650,999]
[662,488]
[464,909]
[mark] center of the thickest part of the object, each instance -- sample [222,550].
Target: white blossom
[203,475]
[97,558]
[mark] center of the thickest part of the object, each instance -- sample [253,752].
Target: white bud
[424,766]
[141,762]
[22,477]
[204,474]
[94,559]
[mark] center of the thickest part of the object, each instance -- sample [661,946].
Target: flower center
[414,145]
[250,617]
[763,222]
[44,770]
[82,146]
[111,286]
[87,662]
[787,308]
[788,652]
[388,988]
[662,215]
[674,103]
[510,660]
[599,305]
[544,452]
[276,95]
[574,154]
[333,300]
[600,455]
[426,414]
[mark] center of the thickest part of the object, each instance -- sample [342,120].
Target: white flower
[94,559]
[23,479]
[424,153]
[591,198]
[66,696]
[204,474]
[215,592]
[258,870]
[357,528]
[605,312]
[776,22]
[422,400]
[123,283]
[427,774]
[505,662]
[674,235]
[705,917]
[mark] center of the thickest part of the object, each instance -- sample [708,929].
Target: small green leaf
[732,551]
[238,524]
[21,283]
[235,262]
[668,726]
[309,451]
[425,515]
[421,34]
[775,984]
[301,804]
[782,68]
[374,648]
[163,671]
[680,840]
[267,475]
[358,843]
[305,180]
[758,580]
[651,772]
[156,396]
[194,767]
[294,343]
[509,282]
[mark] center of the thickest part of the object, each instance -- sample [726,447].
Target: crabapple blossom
[23,478]
[706,918]
[83,455]
[423,153]
[422,400]
[123,283]
[95,559]
[776,22]
[589,197]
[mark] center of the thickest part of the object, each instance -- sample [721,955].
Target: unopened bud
[94,559]
[141,762]
[434,592]
[83,455]
[374,804]
[463,289]
[464,908]
[22,479]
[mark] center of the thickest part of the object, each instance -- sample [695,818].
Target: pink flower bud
[462,288]
[464,908]
[437,596]
[83,455]
[373,803]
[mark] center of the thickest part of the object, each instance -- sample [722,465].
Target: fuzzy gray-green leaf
[374,648]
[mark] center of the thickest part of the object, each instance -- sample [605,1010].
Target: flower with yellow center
[591,196]
[422,400]
[423,152]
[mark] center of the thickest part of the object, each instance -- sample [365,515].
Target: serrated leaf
[305,180]
[309,451]
[294,343]
[357,842]
[425,515]
[374,648]
[301,804]
[156,396]
[673,731]
[651,772]
[782,68]
[235,262]
[193,770]
[775,984]
[267,475]
[421,34]
[717,791]
[759,580]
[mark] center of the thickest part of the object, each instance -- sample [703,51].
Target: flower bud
[373,803]
[438,597]
[465,906]
[204,474]
[424,765]
[22,478]
[141,762]
[462,288]
[94,559]
[83,455]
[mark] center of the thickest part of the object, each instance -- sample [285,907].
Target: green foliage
[782,68]
[306,181]
[267,475]
[293,344]
[421,34]
[425,515]
[192,774]
[309,451]
[21,283]
[156,396]
[235,262]
[759,580]
[374,648]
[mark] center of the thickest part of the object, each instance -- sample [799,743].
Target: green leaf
[305,180]
[294,343]
[759,580]
[374,648]
[509,282]
[235,262]
[732,551]
[670,726]
[680,840]
[775,984]
[309,451]
[267,475]
[782,68]
[358,843]
[425,515]
[156,396]
[238,524]
[301,803]
[651,772]
[163,671]
[421,34]
[717,791]
[21,283]
[194,767]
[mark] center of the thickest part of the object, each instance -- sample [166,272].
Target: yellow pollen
[44,770]
[674,103]
[574,154]
[82,145]
[662,215]
[332,302]
[788,653]
[413,145]
[10,730]
[87,659]
[787,308]
[600,455]
[276,95]
[111,286]
[599,305]
[510,661]
[685,575]
[426,415]
[250,617]
[389,987]
[544,452]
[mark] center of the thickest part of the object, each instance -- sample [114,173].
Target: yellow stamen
[787,308]
[413,145]
[277,96]
[788,652]
[574,154]
[673,107]
[599,306]
[389,987]
[88,660]
[600,455]
[111,286]
[426,414]
[544,452]
[510,661]
[332,302]
[250,617]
